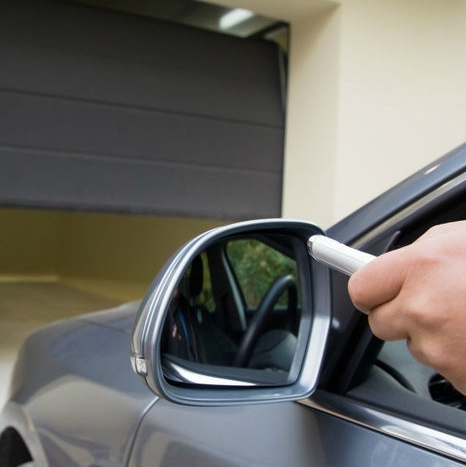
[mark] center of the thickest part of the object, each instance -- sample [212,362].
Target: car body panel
[286,433]
[86,406]
[76,401]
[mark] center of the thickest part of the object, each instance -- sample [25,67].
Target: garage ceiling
[217,18]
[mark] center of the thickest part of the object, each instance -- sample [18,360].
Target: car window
[389,376]
[256,266]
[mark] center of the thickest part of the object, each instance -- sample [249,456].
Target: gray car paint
[284,434]
[87,407]
[86,402]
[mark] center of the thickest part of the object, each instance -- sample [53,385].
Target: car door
[375,405]
[383,375]
[282,434]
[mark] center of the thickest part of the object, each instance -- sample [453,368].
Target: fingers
[375,290]
[388,322]
[379,281]
[442,229]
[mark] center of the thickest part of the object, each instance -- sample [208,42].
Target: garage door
[111,112]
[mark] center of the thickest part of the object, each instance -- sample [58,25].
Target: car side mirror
[240,314]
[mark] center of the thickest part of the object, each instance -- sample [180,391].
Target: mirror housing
[206,385]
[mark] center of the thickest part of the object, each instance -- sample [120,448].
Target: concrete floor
[26,306]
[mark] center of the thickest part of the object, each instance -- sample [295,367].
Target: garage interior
[124,134]
[57,264]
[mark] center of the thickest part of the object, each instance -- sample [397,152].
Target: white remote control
[337,255]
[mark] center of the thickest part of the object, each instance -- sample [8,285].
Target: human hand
[418,293]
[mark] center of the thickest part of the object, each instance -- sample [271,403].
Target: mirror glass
[235,315]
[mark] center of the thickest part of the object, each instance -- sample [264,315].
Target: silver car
[245,352]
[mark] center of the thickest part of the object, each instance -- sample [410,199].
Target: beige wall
[312,117]
[403,88]
[377,90]
[112,255]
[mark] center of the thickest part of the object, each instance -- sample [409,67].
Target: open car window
[387,375]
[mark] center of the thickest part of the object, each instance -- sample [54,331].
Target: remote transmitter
[337,255]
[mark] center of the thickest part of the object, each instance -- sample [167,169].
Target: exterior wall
[376,91]
[312,118]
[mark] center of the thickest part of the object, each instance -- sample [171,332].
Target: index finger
[379,281]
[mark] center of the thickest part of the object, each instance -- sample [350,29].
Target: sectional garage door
[111,112]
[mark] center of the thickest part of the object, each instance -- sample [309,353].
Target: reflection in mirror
[235,313]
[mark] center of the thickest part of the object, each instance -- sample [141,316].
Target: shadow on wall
[115,256]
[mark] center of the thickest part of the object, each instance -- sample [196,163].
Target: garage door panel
[74,181]
[108,111]
[103,130]
[73,27]
[130,83]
